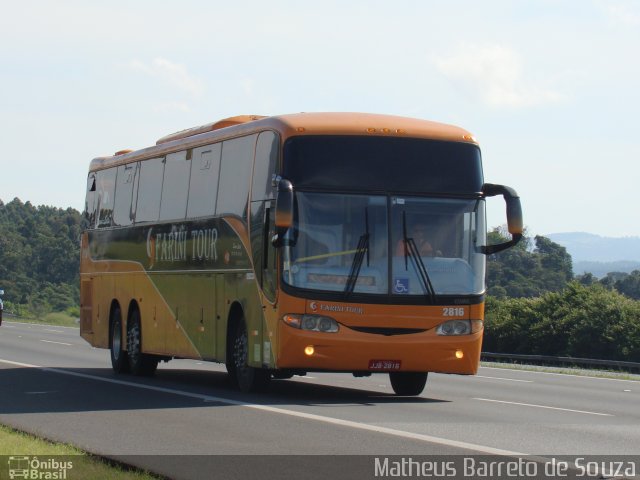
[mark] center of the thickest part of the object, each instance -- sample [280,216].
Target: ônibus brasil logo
[38,469]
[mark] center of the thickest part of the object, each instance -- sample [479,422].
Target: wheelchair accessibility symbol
[401,285]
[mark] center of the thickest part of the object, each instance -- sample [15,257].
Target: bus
[281,245]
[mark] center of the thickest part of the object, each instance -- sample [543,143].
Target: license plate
[384,364]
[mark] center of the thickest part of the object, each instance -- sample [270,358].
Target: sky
[550,88]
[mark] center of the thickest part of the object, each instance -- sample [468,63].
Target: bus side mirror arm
[514,216]
[284,211]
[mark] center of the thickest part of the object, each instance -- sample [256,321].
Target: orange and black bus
[281,245]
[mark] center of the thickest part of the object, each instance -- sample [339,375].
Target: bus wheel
[139,363]
[408,383]
[248,379]
[119,360]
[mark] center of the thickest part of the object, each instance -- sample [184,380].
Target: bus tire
[140,364]
[119,359]
[249,379]
[408,383]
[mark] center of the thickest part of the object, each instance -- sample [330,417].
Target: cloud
[621,14]
[171,73]
[248,86]
[172,107]
[495,74]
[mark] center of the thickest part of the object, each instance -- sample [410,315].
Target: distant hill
[600,269]
[594,248]
[600,255]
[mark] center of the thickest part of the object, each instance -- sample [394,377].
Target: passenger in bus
[419,233]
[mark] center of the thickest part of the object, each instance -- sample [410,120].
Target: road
[56,385]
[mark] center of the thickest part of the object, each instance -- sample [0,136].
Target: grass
[60,319]
[16,443]
[565,371]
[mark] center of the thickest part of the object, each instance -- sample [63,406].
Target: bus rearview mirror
[515,223]
[284,204]
[284,210]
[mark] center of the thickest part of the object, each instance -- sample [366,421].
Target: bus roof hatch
[225,122]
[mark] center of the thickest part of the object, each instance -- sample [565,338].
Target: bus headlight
[313,323]
[459,327]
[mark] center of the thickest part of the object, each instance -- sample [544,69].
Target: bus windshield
[363,244]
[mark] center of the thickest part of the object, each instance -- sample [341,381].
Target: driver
[420,237]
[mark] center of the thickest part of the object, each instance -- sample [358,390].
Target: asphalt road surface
[56,385]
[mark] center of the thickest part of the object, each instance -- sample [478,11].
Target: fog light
[459,354]
[309,350]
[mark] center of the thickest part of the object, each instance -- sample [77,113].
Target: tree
[579,321]
[629,285]
[527,270]
[587,279]
[39,255]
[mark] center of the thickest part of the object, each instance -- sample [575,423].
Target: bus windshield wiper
[361,250]
[410,249]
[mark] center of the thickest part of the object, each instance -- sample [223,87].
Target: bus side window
[235,176]
[149,190]
[175,186]
[105,189]
[125,187]
[203,186]
[265,167]
[89,218]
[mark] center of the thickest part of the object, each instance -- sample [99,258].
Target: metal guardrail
[546,360]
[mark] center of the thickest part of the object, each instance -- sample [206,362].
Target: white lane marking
[51,330]
[544,406]
[506,379]
[563,374]
[58,343]
[309,416]
[9,326]
[41,325]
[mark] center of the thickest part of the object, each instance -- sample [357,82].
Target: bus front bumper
[352,351]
